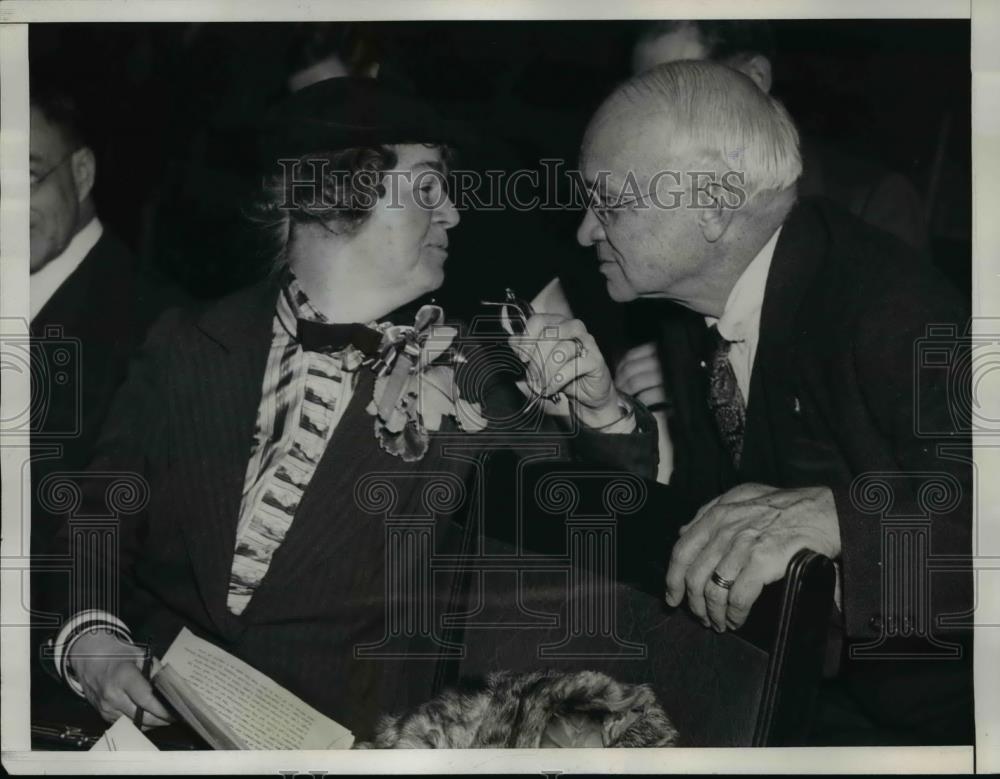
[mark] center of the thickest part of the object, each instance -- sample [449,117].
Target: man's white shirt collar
[740,320]
[44,283]
[742,309]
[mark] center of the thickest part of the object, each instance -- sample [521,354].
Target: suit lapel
[702,465]
[798,255]
[67,307]
[223,371]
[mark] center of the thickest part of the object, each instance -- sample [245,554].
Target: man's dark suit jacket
[184,421]
[103,311]
[838,392]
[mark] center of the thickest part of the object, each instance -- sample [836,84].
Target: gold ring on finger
[721,581]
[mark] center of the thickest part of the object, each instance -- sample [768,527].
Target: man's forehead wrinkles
[628,147]
[613,175]
[622,157]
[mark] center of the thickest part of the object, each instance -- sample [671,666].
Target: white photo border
[15,15]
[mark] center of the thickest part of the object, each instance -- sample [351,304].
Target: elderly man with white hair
[800,395]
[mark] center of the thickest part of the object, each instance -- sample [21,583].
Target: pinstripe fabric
[303,397]
[184,421]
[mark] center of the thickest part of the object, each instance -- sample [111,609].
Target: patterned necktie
[725,398]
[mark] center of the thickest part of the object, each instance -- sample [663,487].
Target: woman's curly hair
[337,189]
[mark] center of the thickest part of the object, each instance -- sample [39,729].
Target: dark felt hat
[340,113]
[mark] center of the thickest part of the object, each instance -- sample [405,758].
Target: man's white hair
[716,115]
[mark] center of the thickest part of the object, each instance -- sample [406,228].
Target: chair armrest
[799,629]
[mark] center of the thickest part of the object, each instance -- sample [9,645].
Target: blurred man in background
[322,51]
[85,292]
[90,308]
[84,284]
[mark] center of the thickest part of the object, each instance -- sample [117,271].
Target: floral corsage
[415,387]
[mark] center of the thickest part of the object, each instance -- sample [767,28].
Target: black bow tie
[323,337]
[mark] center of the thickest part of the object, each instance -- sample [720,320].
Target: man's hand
[748,536]
[561,356]
[640,375]
[110,672]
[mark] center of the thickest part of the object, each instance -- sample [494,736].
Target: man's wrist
[615,417]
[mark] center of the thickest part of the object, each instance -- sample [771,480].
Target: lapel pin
[796,406]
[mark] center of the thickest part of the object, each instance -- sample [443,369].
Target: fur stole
[532,709]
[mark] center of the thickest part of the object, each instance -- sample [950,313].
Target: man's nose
[590,230]
[447,214]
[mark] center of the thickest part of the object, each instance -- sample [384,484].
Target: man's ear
[715,219]
[84,166]
[758,67]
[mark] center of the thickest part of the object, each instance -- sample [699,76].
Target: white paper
[262,713]
[123,736]
[552,300]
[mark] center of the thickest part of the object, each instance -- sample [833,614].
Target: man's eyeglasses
[514,312]
[37,180]
[604,211]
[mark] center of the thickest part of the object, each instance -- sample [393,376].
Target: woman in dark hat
[282,431]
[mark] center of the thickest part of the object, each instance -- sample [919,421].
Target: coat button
[875,623]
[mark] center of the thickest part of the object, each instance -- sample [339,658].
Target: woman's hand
[109,670]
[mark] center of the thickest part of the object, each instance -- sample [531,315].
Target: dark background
[171,109]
